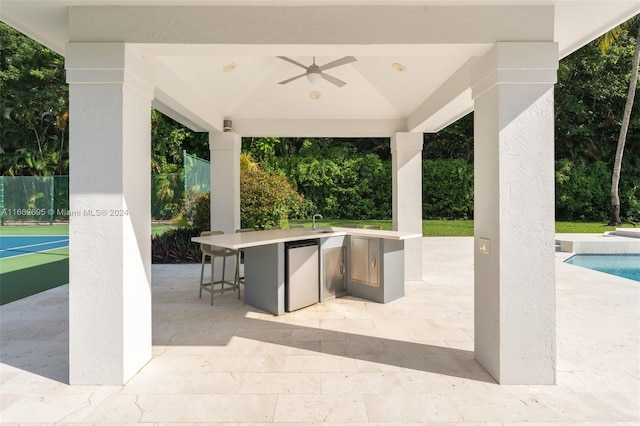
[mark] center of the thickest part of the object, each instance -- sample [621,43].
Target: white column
[406,155]
[515,319]
[225,188]
[110,226]
[225,180]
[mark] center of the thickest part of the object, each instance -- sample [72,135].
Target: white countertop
[258,238]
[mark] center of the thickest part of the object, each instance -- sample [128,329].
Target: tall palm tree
[605,42]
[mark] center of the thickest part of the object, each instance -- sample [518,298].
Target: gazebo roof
[214,59]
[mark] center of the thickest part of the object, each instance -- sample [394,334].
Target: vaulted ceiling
[215,60]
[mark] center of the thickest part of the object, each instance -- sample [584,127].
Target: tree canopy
[33,107]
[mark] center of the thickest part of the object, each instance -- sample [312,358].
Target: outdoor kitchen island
[366,263]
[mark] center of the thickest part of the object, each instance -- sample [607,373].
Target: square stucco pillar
[110,223]
[406,157]
[225,187]
[515,321]
[225,180]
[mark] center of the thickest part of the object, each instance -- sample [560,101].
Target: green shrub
[267,200]
[197,211]
[582,190]
[166,195]
[447,189]
[344,187]
[630,203]
[365,191]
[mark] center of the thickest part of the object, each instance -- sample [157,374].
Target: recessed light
[315,95]
[229,67]
[399,67]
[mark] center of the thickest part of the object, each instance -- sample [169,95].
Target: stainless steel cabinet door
[335,282]
[359,259]
[365,261]
[374,263]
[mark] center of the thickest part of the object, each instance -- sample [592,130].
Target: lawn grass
[462,228]
[586,227]
[430,228]
[161,228]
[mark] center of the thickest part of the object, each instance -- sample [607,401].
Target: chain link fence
[41,199]
[45,199]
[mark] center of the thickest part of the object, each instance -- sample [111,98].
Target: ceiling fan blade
[338,62]
[289,80]
[333,80]
[284,58]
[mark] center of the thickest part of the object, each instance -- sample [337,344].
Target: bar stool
[213,252]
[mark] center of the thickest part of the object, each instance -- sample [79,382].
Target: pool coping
[607,243]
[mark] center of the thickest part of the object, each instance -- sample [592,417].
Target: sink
[322,231]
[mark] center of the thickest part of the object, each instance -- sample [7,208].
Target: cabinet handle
[373,262]
[342,269]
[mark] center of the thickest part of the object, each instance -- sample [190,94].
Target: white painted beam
[264,25]
[451,101]
[318,128]
[175,98]
[576,23]
[295,49]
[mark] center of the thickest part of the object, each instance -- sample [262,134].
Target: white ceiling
[436,41]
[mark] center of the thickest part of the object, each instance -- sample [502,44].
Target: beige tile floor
[347,361]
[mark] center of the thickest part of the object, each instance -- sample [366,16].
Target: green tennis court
[32,260]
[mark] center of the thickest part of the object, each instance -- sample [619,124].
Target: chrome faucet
[317,215]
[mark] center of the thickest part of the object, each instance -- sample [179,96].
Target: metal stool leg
[237,275]
[222,279]
[202,273]
[212,279]
[210,286]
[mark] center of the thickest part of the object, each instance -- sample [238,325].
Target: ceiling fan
[315,72]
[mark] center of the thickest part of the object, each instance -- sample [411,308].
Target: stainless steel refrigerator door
[303,277]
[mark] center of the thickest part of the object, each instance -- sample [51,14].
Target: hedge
[360,188]
[447,189]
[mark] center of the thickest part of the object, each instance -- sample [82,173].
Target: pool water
[622,265]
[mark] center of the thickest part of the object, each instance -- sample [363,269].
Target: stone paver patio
[347,361]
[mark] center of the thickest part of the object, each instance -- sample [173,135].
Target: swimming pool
[622,265]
